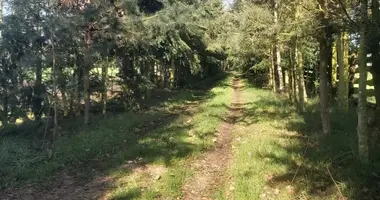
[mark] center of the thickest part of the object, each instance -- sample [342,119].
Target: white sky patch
[228,3]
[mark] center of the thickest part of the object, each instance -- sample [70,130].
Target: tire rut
[211,167]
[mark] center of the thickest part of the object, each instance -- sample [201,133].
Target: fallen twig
[336,185]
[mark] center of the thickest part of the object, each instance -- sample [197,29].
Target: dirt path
[210,168]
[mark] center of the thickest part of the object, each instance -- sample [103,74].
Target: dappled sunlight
[292,158]
[130,155]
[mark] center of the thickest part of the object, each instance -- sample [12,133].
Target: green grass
[275,145]
[166,137]
[189,142]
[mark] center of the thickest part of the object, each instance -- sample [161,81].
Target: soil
[210,168]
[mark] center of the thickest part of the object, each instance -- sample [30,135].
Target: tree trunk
[79,82]
[323,64]
[270,76]
[104,80]
[55,97]
[342,53]
[375,49]
[279,85]
[86,78]
[290,76]
[329,51]
[38,90]
[334,64]
[285,76]
[5,94]
[273,81]
[172,74]
[4,78]
[301,81]
[323,89]
[362,101]
[295,82]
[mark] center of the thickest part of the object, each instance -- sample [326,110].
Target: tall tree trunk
[362,102]
[104,80]
[323,89]
[86,78]
[270,76]
[279,85]
[38,90]
[272,72]
[301,81]
[295,82]
[323,64]
[4,78]
[375,49]
[334,64]
[5,94]
[342,58]
[79,81]
[330,81]
[55,97]
[290,77]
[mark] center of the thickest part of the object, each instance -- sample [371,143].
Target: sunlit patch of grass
[176,144]
[279,155]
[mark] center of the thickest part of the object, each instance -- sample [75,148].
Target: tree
[342,56]
[323,60]
[277,69]
[374,38]
[362,101]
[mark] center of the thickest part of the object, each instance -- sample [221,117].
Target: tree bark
[172,74]
[105,88]
[38,90]
[342,58]
[4,78]
[362,101]
[55,97]
[86,78]
[301,81]
[279,85]
[271,71]
[375,49]
[290,77]
[323,64]
[5,94]
[323,89]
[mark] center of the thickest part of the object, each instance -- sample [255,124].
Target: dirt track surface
[210,168]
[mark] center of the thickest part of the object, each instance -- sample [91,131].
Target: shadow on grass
[319,153]
[102,148]
[134,193]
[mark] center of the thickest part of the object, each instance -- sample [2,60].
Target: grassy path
[280,154]
[210,168]
[232,142]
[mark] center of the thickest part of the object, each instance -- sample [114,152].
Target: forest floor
[231,141]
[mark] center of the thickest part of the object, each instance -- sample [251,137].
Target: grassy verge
[162,140]
[279,154]
[105,144]
[188,136]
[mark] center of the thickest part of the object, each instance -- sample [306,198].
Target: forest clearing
[189,99]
